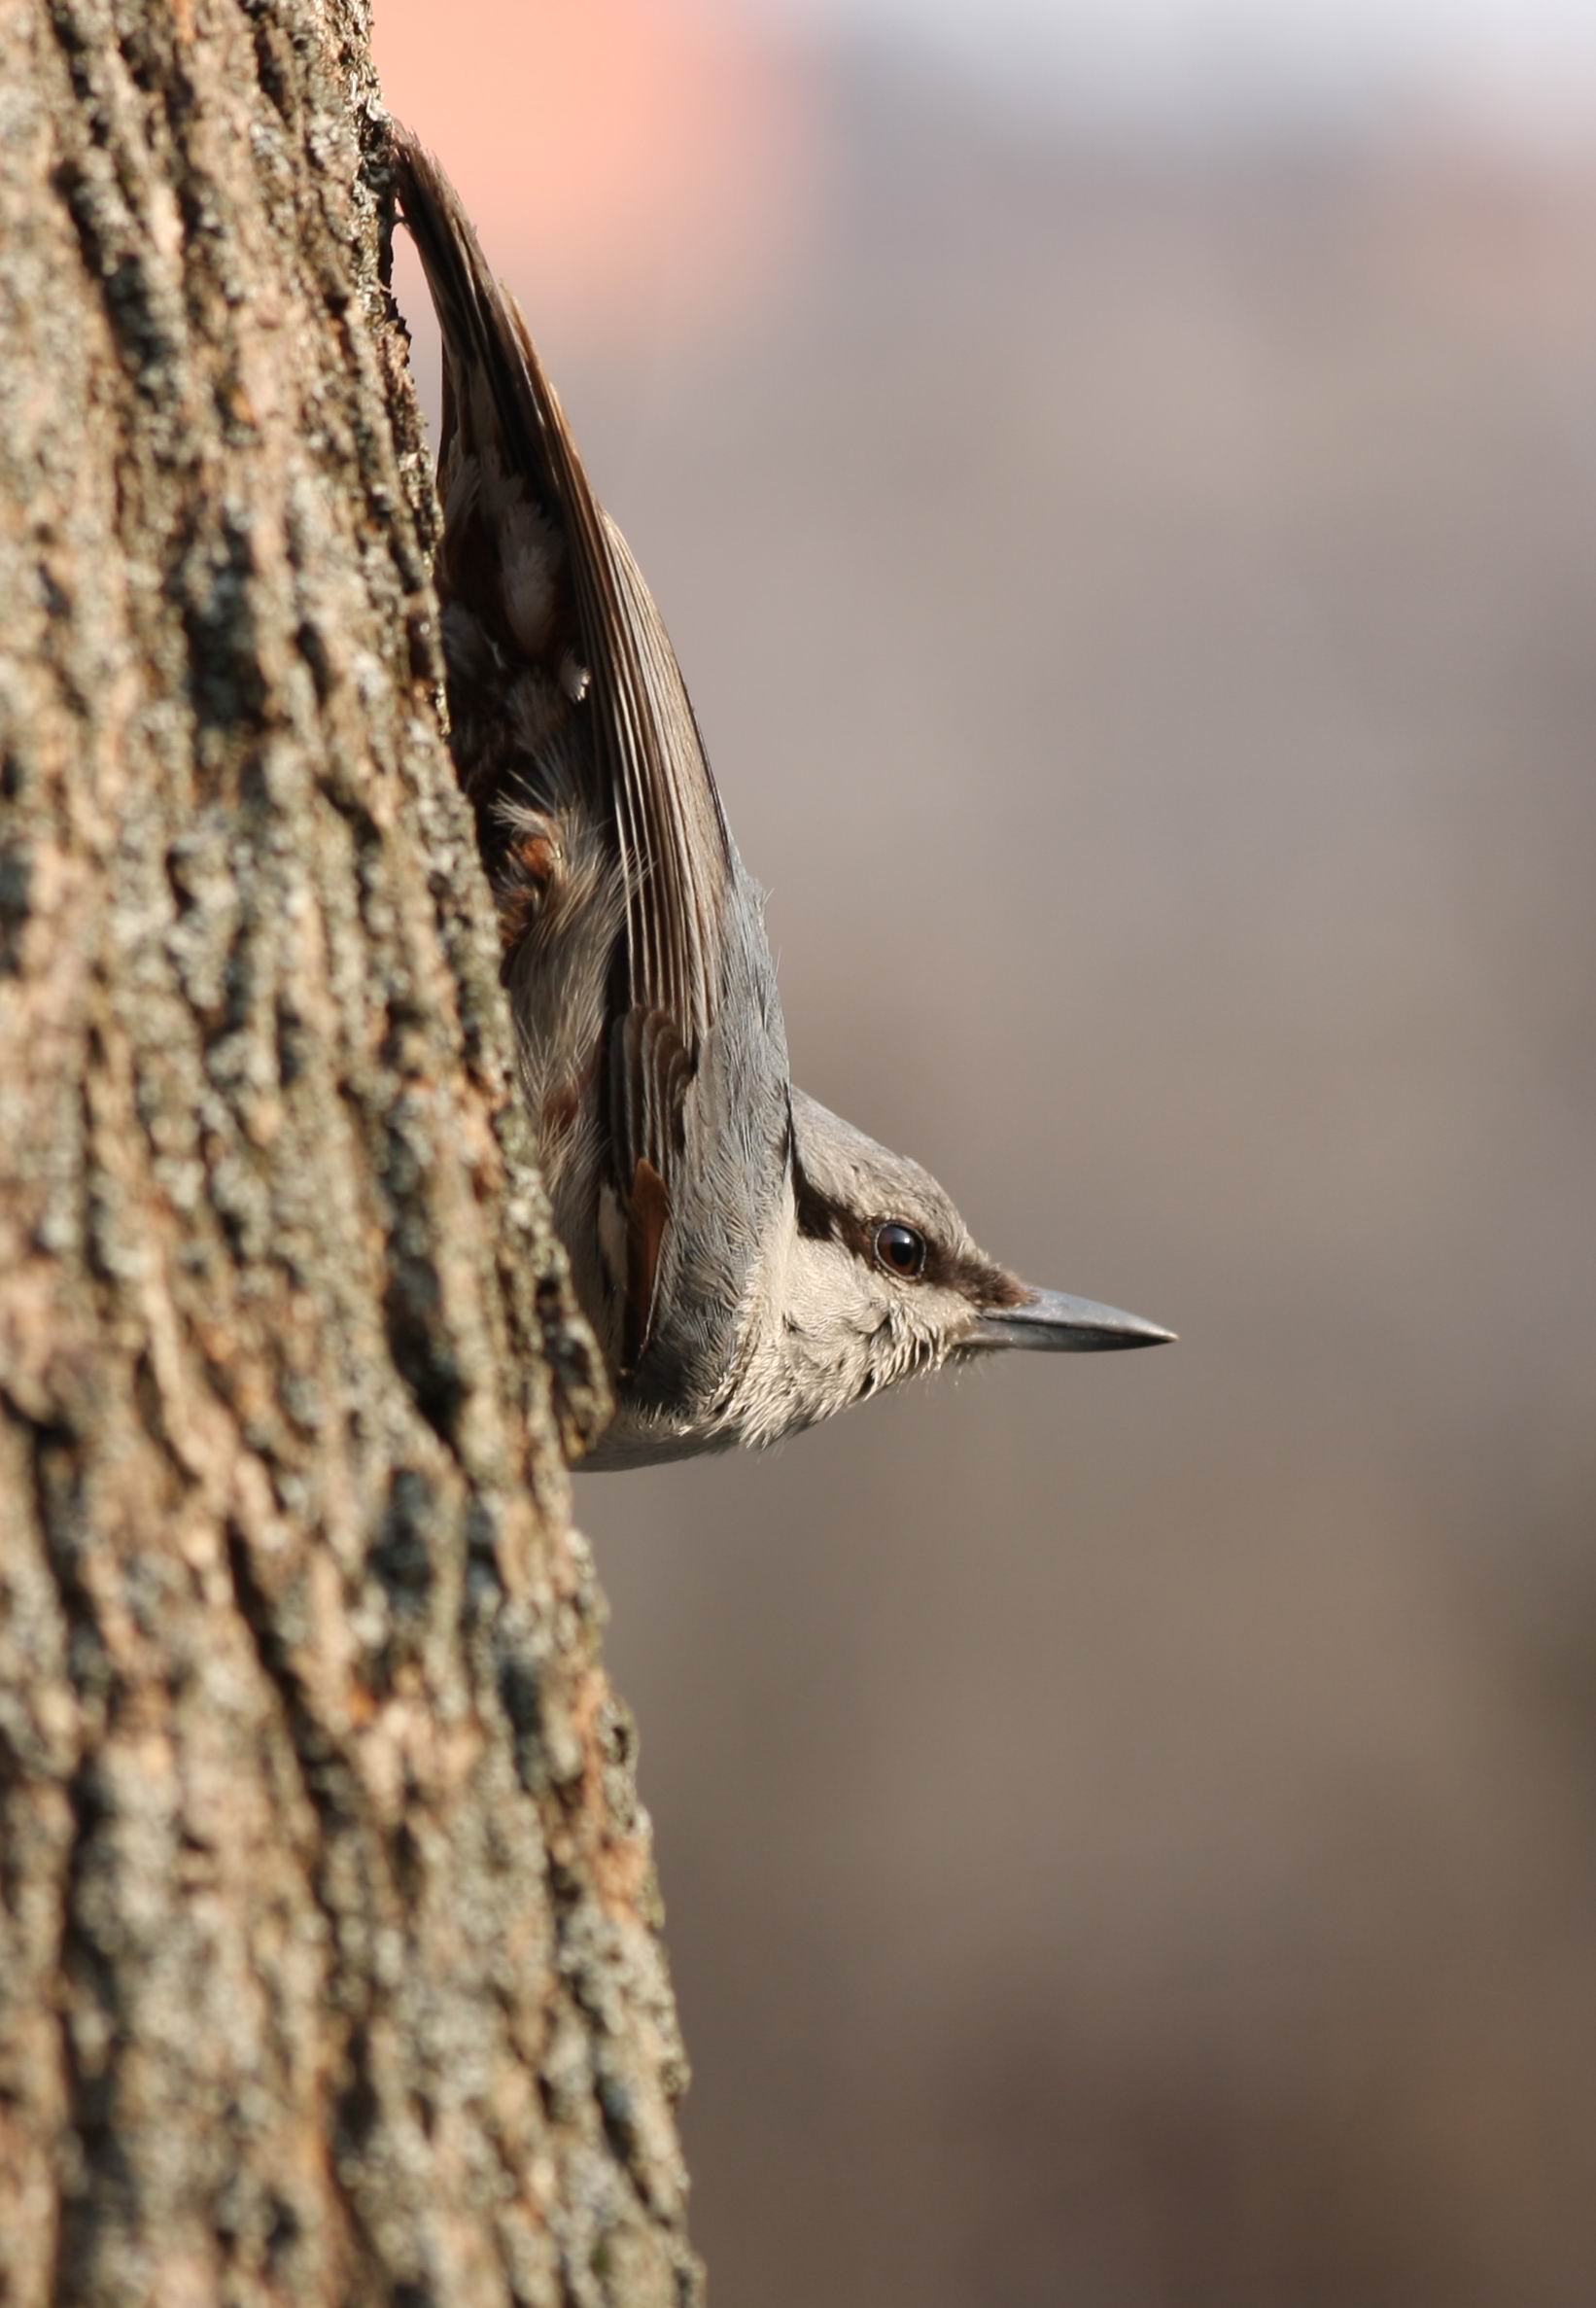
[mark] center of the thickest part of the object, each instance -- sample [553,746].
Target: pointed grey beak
[1054,1324]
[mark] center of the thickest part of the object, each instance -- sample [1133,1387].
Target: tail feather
[504,461]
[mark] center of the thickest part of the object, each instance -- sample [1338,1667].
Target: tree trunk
[328,1956]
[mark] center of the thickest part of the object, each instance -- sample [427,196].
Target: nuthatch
[749,1262]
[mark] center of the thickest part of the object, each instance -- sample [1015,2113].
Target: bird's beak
[1054,1324]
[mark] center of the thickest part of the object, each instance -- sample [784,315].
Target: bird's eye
[900,1248]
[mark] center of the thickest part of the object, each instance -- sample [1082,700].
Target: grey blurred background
[1129,526]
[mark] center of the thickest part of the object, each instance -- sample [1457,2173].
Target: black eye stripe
[900,1248]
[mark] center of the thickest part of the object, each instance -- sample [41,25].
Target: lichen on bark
[330,1967]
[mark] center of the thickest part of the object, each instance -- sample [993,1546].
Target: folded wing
[545,578]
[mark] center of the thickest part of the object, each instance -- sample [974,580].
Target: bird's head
[884,1278]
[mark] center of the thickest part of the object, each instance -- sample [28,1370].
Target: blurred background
[1122,486]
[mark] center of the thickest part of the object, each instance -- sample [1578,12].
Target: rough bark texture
[328,1966]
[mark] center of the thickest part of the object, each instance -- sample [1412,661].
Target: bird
[749,1263]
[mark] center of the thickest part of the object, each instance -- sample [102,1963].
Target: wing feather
[650,774]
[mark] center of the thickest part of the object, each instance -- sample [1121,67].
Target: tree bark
[329,1957]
